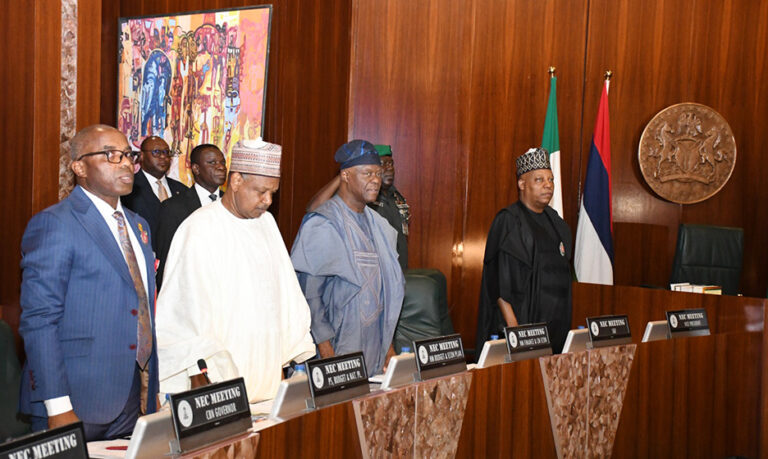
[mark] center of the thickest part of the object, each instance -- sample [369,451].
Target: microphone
[203,369]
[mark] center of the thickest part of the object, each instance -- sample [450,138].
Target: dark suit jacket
[143,201]
[172,213]
[77,319]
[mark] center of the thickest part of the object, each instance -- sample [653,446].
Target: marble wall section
[565,384]
[419,420]
[585,394]
[68,105]
[385,423]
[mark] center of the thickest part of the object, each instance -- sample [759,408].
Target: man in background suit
[151,186]
[87,299]
[209,168]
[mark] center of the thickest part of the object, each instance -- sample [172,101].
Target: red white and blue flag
[593,257]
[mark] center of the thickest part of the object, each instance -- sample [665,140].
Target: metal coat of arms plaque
[687,153]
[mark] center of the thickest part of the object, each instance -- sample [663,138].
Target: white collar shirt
[205,195]
[153,183]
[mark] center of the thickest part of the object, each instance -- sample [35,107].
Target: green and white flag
[551,142]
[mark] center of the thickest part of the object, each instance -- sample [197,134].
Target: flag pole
[551,142]
[594,249]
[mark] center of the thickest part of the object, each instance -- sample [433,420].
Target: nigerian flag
[551,142]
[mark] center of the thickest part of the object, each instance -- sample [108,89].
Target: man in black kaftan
[526,268]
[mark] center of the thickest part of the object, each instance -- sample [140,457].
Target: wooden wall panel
[664,53]
[307,99]
[89,54]
[693,397]
[475,88]
[641,254]
[328,432]
[504,116]
[645,44]
[16,115]
[731,76]
[47,92]
[482,428]
[412,100]
[726,314]
[466,98]
[29,125]
[507,414]
[107,58]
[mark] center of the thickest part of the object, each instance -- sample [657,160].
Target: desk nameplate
[67,442]
[337,379]
[609,330]
[439,356]
[527,341]
[687,322]
[209,413]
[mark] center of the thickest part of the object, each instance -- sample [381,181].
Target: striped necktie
[144,329]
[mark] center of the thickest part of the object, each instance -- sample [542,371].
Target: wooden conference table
[696,397]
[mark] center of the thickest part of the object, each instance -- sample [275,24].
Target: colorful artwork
[193,79]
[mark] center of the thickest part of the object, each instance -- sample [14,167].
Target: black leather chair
[709,255]
[425,308]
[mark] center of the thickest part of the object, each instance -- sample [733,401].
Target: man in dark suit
[151,186]
[87,299]
[209,168]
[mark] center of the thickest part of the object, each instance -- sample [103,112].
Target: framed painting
[193,78]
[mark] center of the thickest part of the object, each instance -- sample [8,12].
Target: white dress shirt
[153,183]
[63,404]
[205,195]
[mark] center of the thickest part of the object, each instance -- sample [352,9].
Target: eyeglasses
[168,153]
[114,156]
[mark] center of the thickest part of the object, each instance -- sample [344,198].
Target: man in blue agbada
[346,259]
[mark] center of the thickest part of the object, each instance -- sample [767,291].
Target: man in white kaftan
[230,294]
